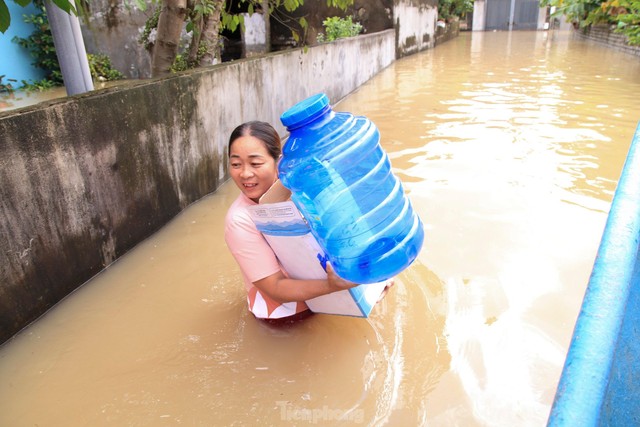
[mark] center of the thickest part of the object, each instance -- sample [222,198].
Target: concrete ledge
[604,35]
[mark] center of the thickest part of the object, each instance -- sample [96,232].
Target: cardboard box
[289,235]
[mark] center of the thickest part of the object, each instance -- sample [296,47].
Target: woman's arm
[282,289]
[257,260]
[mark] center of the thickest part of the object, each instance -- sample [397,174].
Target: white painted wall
[479,11]
[542,18]
[255,33]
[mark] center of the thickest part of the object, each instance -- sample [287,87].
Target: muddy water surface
[509,145]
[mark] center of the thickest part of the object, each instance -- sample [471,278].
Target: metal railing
[600,382]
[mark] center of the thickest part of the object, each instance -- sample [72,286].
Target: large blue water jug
[341,181]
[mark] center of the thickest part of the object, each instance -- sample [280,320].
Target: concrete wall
[415,24]
[85,178]
[449,31]
[543,19]
[113,29]
[603,35]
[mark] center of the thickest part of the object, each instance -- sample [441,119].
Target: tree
[205,28]
[167,40]
[204,19]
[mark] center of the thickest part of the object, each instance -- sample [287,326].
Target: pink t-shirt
[256,260]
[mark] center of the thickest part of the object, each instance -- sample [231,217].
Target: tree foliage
[623,15]
[629,23]
[338,28]
[205,50]
[448,9]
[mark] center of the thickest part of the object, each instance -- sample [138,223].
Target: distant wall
[499,12]
[85,178]
[603,35]
[479,15]
[450,31]
[415,24]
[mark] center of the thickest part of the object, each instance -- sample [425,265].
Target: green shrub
[338,28]
[150,27]
[6,87]
[628,17]
[101,68]
[38,85]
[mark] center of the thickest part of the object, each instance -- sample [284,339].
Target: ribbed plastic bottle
[341,181]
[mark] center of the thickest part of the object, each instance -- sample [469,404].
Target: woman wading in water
[254,149]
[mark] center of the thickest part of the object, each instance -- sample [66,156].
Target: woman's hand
[336,282]
[282,289]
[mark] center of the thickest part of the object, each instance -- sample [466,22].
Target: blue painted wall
[15,62]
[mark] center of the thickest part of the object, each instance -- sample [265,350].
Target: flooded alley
[509,146]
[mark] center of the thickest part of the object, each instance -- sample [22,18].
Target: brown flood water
[509,145]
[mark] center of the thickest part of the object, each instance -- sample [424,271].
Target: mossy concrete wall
[86,178]
[449,31]
[415,24]
[603,34]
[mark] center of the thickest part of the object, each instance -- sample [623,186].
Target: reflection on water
[19,99]
[510,147]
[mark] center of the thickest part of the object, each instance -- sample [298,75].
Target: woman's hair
[262,131]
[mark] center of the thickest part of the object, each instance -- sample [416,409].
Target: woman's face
[252,168]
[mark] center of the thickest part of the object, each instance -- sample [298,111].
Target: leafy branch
[623,15]
[5,16]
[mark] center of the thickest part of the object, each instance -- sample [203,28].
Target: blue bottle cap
[305,111]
